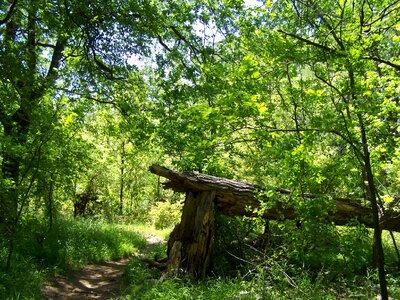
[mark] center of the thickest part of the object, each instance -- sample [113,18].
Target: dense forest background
[302,95]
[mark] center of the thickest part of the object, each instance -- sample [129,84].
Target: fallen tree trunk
[242,199]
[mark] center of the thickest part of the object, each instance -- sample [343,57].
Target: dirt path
[98,281]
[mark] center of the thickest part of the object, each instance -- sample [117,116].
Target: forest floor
[103,280]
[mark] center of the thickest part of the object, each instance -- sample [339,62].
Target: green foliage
[72,243]
[231,250]
[266,274]
[274,281]
[320,247]
[164,214]
[242,244]
[104,242]
[295,94]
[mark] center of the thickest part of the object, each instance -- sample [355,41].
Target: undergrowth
[291,263]
[70,244]
[241,269]
[273,283]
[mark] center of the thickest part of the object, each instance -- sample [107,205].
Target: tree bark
[240,199]
[370,188]
[190,243]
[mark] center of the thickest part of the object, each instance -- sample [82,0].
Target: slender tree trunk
[396,248]
[371,191]
[296,119]
[158,188]
[372,195]
[10,252]
[50,203]
[121,186]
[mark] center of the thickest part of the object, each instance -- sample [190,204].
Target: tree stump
[190,243]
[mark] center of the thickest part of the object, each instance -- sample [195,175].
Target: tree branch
[45,45]
[308,42]
[56,59]
[163,44]
[377,59]
[9,13]
[106,70]
[385,12]
[88,96]
[180,36]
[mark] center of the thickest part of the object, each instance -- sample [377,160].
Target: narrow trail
[97,281]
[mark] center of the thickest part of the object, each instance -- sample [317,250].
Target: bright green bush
[165,214]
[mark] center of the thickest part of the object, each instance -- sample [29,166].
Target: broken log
[242,199]
[190,244]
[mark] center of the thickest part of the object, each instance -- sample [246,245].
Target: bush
[165,214]
[233,243]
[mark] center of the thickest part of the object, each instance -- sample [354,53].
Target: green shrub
[165,214]
[233,243]
[323,247]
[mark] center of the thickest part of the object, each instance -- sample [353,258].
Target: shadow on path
[98,281]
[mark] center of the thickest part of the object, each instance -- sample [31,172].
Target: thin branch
[239,258]
[10,11]
[180,36]
[163,44]
[329,26]
[349,139]
[87,96]
[386,62]
[45,45]
[308,42]
[192,47]
[330,85]
[385,12]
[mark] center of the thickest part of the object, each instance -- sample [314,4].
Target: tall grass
[72,243]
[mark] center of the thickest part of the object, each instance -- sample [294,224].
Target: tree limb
[386,62]
[45,45]
[308,42]
[163,44]
[9,13]
[56,60]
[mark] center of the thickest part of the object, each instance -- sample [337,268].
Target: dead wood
[242,199]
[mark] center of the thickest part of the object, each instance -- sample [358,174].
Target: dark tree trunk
[16,128]
[82,202]
[190,244]
[370,188]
